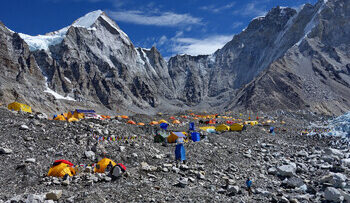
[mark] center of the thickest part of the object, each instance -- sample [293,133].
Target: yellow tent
[78,115]
[174,135]
[60,170]
[60,118]
[236,127]
[162,121]
[205,128]
[72,119]
[252,123]
[222,127]
[102,165]
[15,106]
[69,115]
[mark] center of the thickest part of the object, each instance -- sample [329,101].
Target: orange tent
[173,118]
[195,118]
[125,117]
[212,122]
[131,122]
[153,123]
[141,124]
[176,122]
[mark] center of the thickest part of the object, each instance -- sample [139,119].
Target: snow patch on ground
[68,80]
[58,96]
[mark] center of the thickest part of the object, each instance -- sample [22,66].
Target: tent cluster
[62,168]
[77,115]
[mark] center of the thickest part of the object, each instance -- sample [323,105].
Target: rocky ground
[286,167]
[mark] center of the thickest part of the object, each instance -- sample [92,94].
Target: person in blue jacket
[249,186]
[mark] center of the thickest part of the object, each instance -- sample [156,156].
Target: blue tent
[195,136]
[163,126]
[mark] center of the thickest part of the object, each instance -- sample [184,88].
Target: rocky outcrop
[313,74]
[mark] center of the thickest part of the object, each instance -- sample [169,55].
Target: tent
[72,119]
[154,123]
[141,124]
[80,114]
[176,122]
[175,135]
[172,118]
[131,122]
[60,169]
[60,118]
[125,117]
[163,126]
[205,128]
[102,165]
[191,126]
[236,127]
[15,106]
[162,121]
[222,127]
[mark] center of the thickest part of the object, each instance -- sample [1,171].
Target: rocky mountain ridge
[93,63]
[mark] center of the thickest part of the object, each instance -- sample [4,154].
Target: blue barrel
[192,126]
[196,137]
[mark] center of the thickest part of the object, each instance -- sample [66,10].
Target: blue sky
[173,26]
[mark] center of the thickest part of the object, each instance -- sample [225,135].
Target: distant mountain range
[289,60]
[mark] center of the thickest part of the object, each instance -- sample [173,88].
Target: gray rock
[24,127]
[334,152]
[54,195]
[293,182]
[233,189]
[183,182]
[332,194]
[5,150]
[30,160]
[335,179]
[287,170]
[90,155]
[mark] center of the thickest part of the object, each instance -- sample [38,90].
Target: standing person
[249,186]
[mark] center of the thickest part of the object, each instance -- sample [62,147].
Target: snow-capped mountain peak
[88,20]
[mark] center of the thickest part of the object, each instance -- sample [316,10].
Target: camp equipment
[175,135]
[60,168]
[222,127]
[195,136]
[236,127]
[192,126]
[102,165]
[16,106]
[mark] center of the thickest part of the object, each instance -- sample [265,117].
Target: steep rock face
[20,77]
[98,64]
[314,73]
[190,76]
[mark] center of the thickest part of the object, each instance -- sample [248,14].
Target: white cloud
[162,40]
[237,24]
[214,9]
[193,46]
[252,9]
[158,19]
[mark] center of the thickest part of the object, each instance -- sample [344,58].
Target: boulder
[287,170]
[90,155]
[54,195]
[5,150]
[336,179]
[293,182]
[332,194]
[333,152]
[24,127]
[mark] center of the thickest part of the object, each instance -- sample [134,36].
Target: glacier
[340,126]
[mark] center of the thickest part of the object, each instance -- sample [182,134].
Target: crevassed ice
[341,125]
